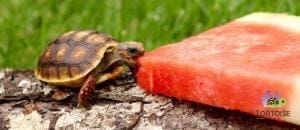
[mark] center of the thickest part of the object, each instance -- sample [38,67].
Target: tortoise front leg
[89,84]
[86,90]
[111,75]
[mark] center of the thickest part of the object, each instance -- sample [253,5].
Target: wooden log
[26,103]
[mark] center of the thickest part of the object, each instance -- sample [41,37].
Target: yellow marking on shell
[95,39]
[52,72]
[79,77]
[46,56]
[63,72]
[67,34]
[79,35]
[74,71]
[99,50]
[78,54]
[60,55]
[85,65]
[71,84]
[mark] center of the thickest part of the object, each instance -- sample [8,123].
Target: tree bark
[26,103]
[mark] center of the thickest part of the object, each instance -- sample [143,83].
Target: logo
[274,104]
[273,100]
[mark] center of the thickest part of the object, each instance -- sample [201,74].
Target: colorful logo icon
[273,100]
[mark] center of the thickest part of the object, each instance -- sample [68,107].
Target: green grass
[26,26]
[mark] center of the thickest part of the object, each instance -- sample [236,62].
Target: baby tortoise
[85,58]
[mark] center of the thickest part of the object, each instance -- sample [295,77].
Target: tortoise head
[130,51]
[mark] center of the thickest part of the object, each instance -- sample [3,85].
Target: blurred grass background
[26,26]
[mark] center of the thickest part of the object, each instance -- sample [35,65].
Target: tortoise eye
[132,51]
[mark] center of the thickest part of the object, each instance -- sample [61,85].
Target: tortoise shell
[69,58]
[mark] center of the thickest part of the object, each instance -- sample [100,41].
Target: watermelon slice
[251,64]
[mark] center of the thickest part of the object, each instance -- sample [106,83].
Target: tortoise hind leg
[86,90]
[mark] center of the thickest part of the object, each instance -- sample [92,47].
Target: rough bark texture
[26,103]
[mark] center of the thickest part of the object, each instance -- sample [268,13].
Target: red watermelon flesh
[233,66]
